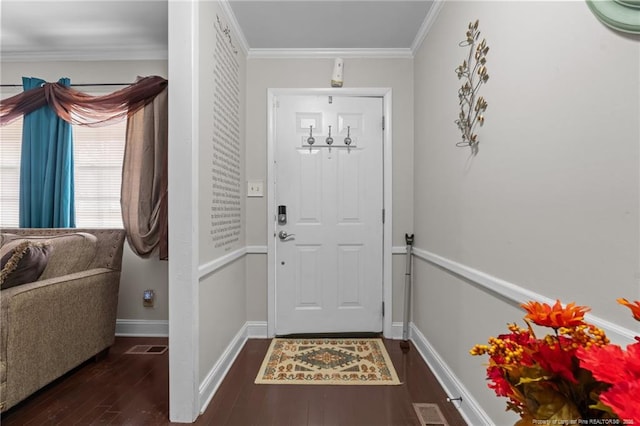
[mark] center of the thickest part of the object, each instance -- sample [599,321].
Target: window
[10,137]
[98,154]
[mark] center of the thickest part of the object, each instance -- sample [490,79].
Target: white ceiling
[330,24]
[90,29]
[137,29]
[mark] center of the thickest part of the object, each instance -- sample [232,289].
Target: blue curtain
[46,167]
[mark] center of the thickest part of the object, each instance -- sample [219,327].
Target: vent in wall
[147,350]
[429,414]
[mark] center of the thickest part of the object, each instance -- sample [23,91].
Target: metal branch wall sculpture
[474,73]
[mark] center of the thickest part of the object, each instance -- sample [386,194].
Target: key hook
[311,140]
[329,139]
[347,140]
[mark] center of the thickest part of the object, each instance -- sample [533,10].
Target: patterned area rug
[327,362]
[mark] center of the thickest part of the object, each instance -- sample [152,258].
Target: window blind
[10,138]
[98,154]
[97,157]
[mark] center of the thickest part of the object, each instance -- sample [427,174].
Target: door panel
[348,187]
[310,193]
[329,270]
[350,275]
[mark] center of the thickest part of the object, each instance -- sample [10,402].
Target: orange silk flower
[556,316]
[635,307]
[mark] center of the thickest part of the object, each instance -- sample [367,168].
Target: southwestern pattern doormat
[327,362]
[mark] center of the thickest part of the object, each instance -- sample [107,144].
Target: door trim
[387,285]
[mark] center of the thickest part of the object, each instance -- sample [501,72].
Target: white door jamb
[387,287]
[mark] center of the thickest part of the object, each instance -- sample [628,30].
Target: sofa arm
[109,245]
[49,327]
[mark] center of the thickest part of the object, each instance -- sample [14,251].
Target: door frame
[387,276]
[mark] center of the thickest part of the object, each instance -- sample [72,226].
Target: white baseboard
[257,329]
[216,375]
[160,328]
[468,407]
[396,330]
[142,328]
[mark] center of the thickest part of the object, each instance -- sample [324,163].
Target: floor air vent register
[429,414]
[147,350]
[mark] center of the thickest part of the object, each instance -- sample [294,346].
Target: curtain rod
[81,84]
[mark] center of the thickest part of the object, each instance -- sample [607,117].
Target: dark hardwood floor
[123,389]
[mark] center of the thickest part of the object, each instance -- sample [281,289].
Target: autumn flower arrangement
[571,376]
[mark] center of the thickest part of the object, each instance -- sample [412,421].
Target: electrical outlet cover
[148,297]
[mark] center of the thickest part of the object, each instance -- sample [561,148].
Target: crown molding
[162,54]
[392,53]
[321,53]
[233,23]
[88,55]
[429,20]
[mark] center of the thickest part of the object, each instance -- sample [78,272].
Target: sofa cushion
[71,252]
[10,242]
[24,264]
[5,238]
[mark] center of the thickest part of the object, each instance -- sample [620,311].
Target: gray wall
[550,203]
[263,74]
[222,297]
[137,274]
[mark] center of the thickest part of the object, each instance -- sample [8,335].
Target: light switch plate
[255,188]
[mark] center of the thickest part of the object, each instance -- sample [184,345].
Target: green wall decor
[473,72]
[621,15]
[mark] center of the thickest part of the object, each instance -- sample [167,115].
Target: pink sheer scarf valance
[79,108]
[144,105]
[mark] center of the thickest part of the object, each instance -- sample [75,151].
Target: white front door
[329,259]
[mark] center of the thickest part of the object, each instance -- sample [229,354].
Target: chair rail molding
[215,264]
[516,294]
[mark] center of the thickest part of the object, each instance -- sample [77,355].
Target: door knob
[283,235]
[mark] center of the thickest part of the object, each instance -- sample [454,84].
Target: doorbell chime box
[338,71]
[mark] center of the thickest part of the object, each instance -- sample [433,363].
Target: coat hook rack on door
[348,141]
